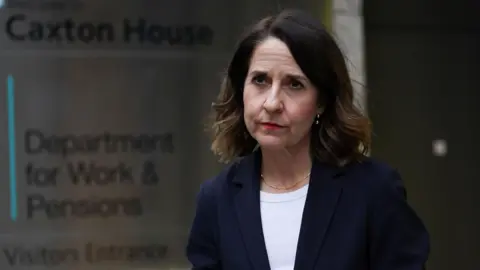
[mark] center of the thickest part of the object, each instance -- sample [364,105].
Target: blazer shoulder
[215,184]
[376,175]
[373,167]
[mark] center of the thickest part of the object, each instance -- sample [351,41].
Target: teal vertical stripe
[11,146]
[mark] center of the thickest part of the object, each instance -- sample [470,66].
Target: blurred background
[104,103]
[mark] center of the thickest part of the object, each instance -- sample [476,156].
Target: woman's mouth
[271,126]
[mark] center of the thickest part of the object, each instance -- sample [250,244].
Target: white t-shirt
[281,220]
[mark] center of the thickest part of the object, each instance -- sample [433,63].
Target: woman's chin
[272,143]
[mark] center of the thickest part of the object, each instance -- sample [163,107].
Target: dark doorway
[422,72]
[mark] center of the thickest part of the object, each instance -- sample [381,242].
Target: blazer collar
[247,205]
[322,198]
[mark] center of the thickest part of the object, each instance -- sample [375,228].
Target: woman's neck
[284,168]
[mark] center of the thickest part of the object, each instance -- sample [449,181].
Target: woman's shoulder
[374,175]
[217,182]
[372,167]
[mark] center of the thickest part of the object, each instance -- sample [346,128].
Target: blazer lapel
[247,205]
[322,198]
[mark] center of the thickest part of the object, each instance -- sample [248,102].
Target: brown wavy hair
[343,133]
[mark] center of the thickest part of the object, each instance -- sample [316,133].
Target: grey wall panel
[154,103]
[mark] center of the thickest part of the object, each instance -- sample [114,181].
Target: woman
[300,192]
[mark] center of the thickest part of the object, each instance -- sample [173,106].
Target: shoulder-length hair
[343,132]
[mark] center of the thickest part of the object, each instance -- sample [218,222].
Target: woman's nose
[273,100]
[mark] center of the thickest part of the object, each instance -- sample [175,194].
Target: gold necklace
[285,188]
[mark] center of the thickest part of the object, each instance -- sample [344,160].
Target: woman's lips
[271,126]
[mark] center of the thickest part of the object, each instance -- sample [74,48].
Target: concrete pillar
[347,27]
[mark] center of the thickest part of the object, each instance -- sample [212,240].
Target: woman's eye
[296,85]
[259,79]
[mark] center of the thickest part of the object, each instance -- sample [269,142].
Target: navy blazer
[355,218]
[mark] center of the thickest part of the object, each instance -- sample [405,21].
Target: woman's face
[280,103]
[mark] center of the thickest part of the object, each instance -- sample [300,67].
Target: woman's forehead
[273,54]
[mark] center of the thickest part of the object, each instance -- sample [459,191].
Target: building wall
[347,26]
